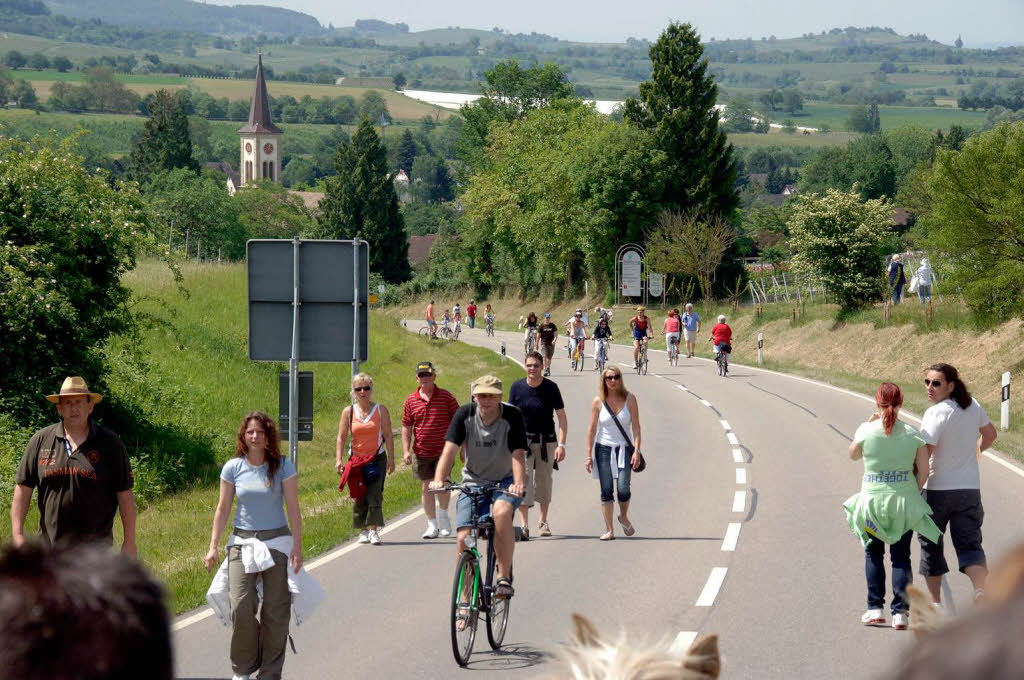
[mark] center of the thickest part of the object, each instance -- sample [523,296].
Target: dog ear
[1006,579]
[924,616]
[585,633]
[703,657]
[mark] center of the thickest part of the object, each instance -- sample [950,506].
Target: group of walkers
[899,462]
[921,282]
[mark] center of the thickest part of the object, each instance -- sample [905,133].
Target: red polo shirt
[429,420]
[471,310]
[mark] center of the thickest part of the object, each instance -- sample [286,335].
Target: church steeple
[259,109]
[260,138]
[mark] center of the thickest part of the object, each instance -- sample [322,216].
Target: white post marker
[502,352]
[1004,415]
[760,349]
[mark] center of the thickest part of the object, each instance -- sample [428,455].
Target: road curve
[740,531]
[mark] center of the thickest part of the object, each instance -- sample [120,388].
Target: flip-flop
[607,536]
[463,620]
[627,529]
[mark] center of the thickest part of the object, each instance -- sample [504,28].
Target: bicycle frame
[482,586]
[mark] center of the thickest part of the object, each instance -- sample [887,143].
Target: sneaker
[374,537]
[364,536]
[544,529]
[900,620]
[431,531]
[444,526]
[872,617]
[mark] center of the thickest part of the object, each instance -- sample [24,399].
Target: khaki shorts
[539,475]
[689,336]
[424,467]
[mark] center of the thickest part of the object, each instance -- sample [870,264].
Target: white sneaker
[872,616]
[374,537]
[444,526]
[364,536]
[431,531]
[239,677]
[900,621]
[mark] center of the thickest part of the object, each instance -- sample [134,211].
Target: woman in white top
[925,278]
[614,455]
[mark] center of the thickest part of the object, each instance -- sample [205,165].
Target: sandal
[627,529]
[463,619]
[503,588]
[607,536]
[543,529]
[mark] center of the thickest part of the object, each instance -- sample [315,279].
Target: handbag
[630,449]
[915,281]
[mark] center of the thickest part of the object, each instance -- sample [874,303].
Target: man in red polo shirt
[471,312]
[428,412]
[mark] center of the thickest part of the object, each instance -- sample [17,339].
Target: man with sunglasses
[425,420]
[539,399]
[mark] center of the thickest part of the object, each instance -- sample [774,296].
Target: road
[740,531]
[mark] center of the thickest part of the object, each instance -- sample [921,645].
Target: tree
[972,220]
[431,181]
[268,210]
[360,201]
[677,107]
[406,151]
[183,203]
[38,60]
[374,107]
[326,148]
[739,115]
[14,59]
[165,142]
[66,240]
[690,245]
[959,42]
[864,119]
[62,64]
[792,101]
[838,240]
[298,172]
[23,93]
[865,163]
[399,80]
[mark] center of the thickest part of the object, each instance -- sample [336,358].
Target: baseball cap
[487,384]
[425,366]
[547,315]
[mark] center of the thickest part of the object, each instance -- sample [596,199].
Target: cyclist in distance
[641,325]
[577,330]
[603,333]
[446,320]
[548,333]
[494,438]
[431,322]
[530,325]
[721,335]
[673,329]
[457,313]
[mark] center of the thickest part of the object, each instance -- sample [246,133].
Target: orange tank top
[366,432]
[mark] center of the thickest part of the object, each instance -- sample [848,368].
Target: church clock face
[248,147]
[268,148]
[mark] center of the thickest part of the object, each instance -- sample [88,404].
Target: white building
[260,138]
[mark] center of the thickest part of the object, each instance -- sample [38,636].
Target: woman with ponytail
[889,507]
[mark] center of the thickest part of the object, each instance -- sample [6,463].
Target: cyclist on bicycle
[673,328]
[602,313]
[548,332]
[494,439]
[530,325]
[641,325]
[577,331]
[489,313]
[431,322]
[446,320]
[721,335]
[602,335]
[457,313]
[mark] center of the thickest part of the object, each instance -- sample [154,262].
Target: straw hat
[74,386]
[487,384]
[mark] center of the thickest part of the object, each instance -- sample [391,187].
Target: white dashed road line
[725,425]
[732,439]
[683,642]
[739,501]
[741,475]
[732,535]
[737,456]
[711,588]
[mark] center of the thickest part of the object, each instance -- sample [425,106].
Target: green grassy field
[932,117]
[798,140]
[191,374]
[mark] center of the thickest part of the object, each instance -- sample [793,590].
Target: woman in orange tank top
[369,426]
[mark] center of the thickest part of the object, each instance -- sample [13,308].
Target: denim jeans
[604,474]
[472,322]
[924,293]
[902,575]
[897,293]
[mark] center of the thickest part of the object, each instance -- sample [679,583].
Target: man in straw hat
[83,475]
[494,438]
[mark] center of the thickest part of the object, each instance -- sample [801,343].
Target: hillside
[185,15]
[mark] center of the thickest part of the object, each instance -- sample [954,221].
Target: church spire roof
[259,109]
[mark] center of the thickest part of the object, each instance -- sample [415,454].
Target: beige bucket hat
[74,386]
[487,384]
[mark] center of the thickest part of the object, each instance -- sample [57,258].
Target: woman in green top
[889,507]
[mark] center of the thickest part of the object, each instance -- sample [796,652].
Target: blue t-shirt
[260,504]
[690,320]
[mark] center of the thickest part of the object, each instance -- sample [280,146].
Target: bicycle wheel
[497,619]
[582,359]
[643,363]
[425,331]
[465,607]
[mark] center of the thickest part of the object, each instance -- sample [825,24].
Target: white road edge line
[684,389]
[706,402]
[733,439]
[711,588]
[739,501]
[725,425]
[682,642]
[737,456]
[732,535]
[741,475]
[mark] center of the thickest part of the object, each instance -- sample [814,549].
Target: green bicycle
[473,592]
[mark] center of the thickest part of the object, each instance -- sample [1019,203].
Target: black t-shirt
[538,404]
[77,493]
[548,333]
[489,448]
[602,332]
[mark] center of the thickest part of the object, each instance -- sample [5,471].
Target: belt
[262,534]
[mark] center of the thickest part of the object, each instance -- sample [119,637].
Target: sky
[981,22]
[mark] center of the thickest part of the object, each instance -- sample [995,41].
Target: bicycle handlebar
[472,489]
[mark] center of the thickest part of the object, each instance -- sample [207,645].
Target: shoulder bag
[640,466]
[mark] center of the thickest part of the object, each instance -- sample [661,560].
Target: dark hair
[81,613]
[889,398]
[960,394]
[535,355]
[531,317]
[273,451]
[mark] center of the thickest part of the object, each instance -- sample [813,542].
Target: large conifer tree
[677,106]
[361,202]
[406,152]
[165,143]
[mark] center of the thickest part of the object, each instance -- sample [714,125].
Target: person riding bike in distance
[457,313]
[548,333]
[577,330]
[603,333]
[673,328]
[494,438]
[721,336]
[530,325]
[641,324]
[431,321]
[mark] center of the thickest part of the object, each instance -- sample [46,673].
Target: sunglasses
[613,377]
[364,388]
[424,375]
[932,383]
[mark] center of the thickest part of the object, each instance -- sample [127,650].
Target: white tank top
[608,432]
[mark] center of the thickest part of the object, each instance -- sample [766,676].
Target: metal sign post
[293,362]
[355,307]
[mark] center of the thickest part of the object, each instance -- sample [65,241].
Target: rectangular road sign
[326,290]
[305,406]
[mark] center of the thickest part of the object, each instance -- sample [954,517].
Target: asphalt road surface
[740,531]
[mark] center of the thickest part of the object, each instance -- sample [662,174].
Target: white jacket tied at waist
[306,592]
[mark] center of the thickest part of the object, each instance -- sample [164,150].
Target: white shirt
[608,432]
[954,432]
